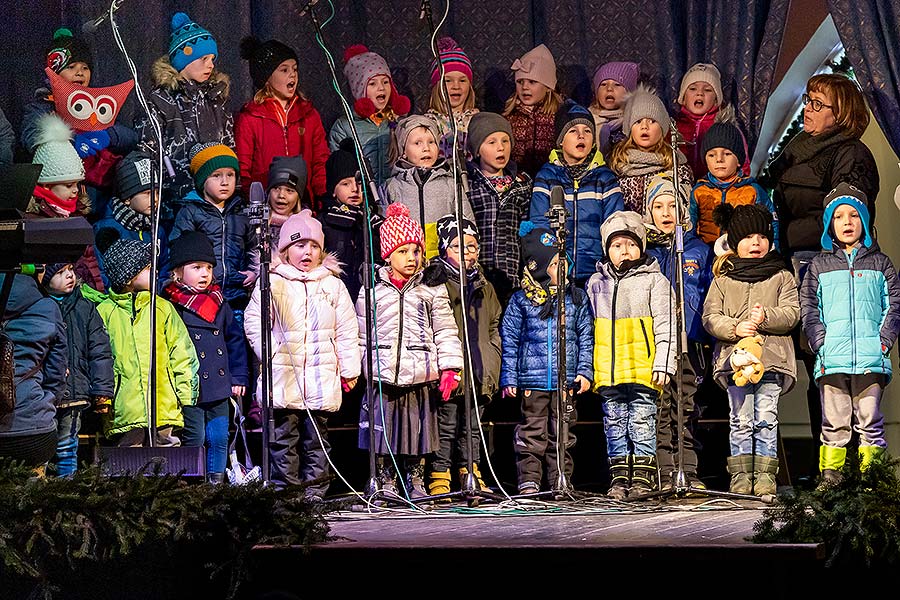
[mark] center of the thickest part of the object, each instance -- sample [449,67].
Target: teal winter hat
[189,42]
[845,193]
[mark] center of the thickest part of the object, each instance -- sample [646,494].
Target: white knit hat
[706,72]
[58,159]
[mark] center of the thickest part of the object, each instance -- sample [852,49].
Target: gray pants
[852,403]
[296,454]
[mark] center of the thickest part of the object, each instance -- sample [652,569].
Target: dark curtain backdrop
[742,38]
[870,32]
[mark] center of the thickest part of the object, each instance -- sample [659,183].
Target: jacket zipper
[224,241]
[852,315]
[612,329]
[575,228]
[549,355]
[399,336]
[646,339]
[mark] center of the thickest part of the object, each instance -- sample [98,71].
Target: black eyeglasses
[469,248]
[817,105]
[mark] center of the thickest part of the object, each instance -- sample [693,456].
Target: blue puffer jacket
[850,311]
[589,201]
[697,273]
[530,344]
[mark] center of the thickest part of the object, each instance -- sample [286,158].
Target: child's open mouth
[581,146]
[380,98]
[698,103]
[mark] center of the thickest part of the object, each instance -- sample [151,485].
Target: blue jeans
[207,425]
[629,419]
[754,416]
[68,424]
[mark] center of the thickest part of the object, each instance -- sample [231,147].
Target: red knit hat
[399,229]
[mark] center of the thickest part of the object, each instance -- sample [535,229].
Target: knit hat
[624,73]
[189,42]
[55,153]
[52,269]
[407,124]
[662,184]
[453,58]
[341,163]
[627,223]
[122,259]
[642,104]
[742,221]
[289,171]
[481,126]
[568,116]
[845,193]
[133,174]
[724,135]
[191,246]
[398,229]
[206,158]
[361,65]
[67,49]
[706,72]
[264,58]
[536,64]
[538,250]
[447,231]
[301,226]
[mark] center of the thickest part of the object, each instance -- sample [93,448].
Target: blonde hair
[437,104]
[619,157]
[550,105]
[723,265]
[265,92]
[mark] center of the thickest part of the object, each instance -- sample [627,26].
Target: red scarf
[203,303]
[45,196]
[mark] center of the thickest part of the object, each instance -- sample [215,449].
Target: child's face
[378,90]
[722,163]
[283,80]
[847,225]
[495,151]
[458,87]
[531,92]
[611,94]
[421,148]
[141,281]
[219,186]
[662,210]
[646,133]
[305,255]
[195,274]
[66,190]
[199,69]
[577,144]
[623,248]
[347,192]
[283,200]
[404,261]
[700,98]
[553,270]
[470,249]
[141,202]
[63,282]
[753,246]
[77,72]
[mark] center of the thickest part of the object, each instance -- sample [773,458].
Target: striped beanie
[453,58]
[206,158]
[189,42]
[399,229]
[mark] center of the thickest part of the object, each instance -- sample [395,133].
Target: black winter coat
[343,227]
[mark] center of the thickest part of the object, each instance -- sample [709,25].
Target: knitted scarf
[203,303]
[804,146]
[129,218]
[501,183]
[603,115]
[576,172]
[49,204]
[657,237]
[642,163]
[754,270]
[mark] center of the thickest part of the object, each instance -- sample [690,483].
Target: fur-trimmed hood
[164,75]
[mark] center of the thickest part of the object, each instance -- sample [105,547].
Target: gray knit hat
[407,124]
[623,222]
[481,126]
[122,259]
[644,103]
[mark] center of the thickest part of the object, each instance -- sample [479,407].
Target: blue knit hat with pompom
[189,42]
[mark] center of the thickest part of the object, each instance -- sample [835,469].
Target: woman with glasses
[827,152]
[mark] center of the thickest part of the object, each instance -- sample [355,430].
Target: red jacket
[260,137]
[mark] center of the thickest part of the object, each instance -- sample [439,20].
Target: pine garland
[55,531]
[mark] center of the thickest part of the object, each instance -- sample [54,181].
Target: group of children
[463,196]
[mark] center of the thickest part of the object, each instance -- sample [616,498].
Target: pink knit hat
[361,65]
[537,64]
[301,226]
[453,58]
[399,229]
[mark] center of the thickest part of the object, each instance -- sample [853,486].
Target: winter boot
[831,462]
[644,475]
[868,455]
[619,477]
[415,480]
[765,470]
[387,477]
[439,483]
[739,467]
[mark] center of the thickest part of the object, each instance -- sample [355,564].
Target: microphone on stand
[308,7]
[557,213]
[258,210]
[93,25]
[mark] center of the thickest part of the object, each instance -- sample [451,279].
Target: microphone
[557,213]
[308,7]
[557,197]
[259,208]
[90,27]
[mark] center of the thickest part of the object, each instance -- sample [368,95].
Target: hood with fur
[164,75]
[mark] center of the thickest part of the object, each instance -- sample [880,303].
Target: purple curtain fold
[870,32]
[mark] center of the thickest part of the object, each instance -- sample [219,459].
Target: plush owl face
[86,108]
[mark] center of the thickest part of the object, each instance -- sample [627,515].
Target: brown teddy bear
[746,361]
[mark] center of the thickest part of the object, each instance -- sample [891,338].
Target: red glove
[449,382]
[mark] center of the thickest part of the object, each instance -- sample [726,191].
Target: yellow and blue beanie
[189,42]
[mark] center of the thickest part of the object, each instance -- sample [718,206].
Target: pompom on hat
[645,104]
[189,41]
[55,153]
[399,229]
[738,222]
[361,65]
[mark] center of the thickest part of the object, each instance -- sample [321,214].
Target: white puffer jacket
[414,331]
[315,340]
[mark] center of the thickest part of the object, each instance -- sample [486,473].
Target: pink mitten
[449,382]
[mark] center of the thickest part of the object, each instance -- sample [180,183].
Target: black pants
[32,450]
[693,371]
[453,450]
[296,454]
[536,436]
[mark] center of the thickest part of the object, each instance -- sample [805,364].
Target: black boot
[620,477]
[644,475]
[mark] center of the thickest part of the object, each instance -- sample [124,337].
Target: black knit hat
[191,246]
[289,171]
[568,116]
[122,259]
[342,163]
[264,58]
[724,135]
[447,231]
[52,269]
[133,174]
[538,250]
[742,221]
[66,49]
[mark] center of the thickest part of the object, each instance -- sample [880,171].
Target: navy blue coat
[530,344]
